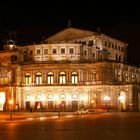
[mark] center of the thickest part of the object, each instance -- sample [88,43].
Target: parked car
[81,112]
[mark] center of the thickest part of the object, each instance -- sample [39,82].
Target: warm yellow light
[122,98]
[83,98]
[43,98]
[11,46]
[2,97]
[11,102]
[58,101]
[106,98]
[40,98]
[92,101]
[56,98]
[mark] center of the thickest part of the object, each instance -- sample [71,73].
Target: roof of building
[70,34]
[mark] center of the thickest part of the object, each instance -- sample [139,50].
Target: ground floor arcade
[71,98]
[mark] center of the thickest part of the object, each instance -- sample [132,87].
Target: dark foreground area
[106,126]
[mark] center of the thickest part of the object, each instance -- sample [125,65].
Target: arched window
[2,100]
[122,100]
[62,96]
[133,77]
[38,97]
[74,96]
[62,78]
[38,78]
[27,97]
[93,76]
[50,96]
[27,78]
[125,76]
[50,78]
[74,77]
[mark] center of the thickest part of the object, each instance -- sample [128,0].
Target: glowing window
[74,96]
[2,97]
[27,78]
[27,97]
[38,78]
[74,78]
[62,78]
[50,96]
[2,100]
[125,77]
[133,77]
[4,80]
[50,78]
[38,97]
[62,96]
[94,76]
[4,77]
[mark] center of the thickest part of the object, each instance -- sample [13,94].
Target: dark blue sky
[32,20]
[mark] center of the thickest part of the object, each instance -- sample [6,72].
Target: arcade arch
[122,101]
[2,100]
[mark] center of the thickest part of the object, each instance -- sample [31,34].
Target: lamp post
[107,99]
[11,108]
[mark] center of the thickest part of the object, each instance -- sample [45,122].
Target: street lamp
[107,99]
[11,108]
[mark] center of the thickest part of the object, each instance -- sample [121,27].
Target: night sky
[34,20]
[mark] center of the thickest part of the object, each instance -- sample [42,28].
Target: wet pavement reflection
[107,126]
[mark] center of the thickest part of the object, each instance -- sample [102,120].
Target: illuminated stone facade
[71,70]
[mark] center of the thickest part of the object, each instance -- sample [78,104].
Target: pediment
[69,34]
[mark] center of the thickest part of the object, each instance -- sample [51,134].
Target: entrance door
[38,105]
[27,105]
[74,105]
[2,100]
[122,101]
[50,105]
[63,105]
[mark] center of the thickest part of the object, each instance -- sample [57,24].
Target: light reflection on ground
[108,126]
